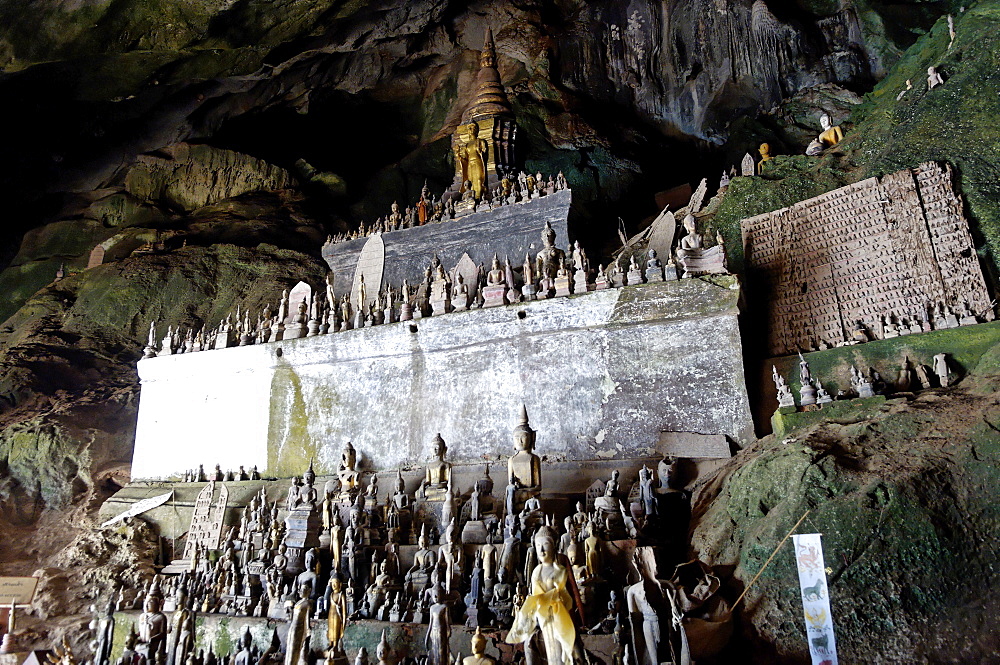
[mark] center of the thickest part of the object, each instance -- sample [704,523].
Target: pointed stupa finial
[490,98]
[489,55]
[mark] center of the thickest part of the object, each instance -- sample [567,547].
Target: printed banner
[815,598]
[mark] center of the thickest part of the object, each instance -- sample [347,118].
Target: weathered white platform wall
[602,374]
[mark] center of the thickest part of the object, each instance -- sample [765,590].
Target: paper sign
[140,507]
[815,598]
[20,590]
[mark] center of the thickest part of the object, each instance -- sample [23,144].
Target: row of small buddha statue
[863,384]
[551,273]
[430,209]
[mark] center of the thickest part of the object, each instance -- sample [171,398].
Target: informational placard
[815,598]
[20,590]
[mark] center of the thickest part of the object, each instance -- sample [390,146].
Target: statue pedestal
[580,282]
[302,528]
[440,306]
[295,331]
[634,277]
[654,274]
[563,286]
[474,533]
[495,295]
[477,616]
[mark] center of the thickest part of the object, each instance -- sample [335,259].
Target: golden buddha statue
[471,156]
[478,656]
[547,607]
[483,144]
[765,156]
[336,618]
[831,135]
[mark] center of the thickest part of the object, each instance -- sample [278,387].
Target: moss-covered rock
[185,177]
[954,123]
[906,501]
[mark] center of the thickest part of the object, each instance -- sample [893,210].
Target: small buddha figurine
[437,474]
[549,260]
[336,618]
[395,217]
[399,497]
[765,156]
[308,496]
[593,548]
[693,240]
[646,491]
[478,656]
[348,473]
[524,467]
[609,502]
[382,651]
[438,630]
[496,275]
[424,561]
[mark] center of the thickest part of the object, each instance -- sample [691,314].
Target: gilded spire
[490,99]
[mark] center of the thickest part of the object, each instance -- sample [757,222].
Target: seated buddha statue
[437,473]
[694,257]
[496,275]
[831,135]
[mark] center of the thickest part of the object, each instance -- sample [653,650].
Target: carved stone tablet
[96,256]
[295,296]
[469,271]
[370,264]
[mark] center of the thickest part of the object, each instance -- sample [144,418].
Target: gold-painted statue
[336,619]
[547,608]
[831,135]
[765,156]
[478,656]
[471,157]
